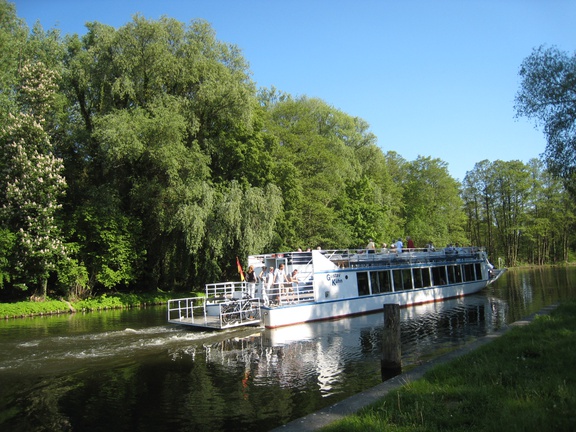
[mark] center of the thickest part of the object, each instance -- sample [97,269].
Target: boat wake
[77,350]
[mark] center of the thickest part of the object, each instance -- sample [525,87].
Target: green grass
[523,381]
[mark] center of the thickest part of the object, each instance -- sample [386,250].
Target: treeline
[145,158]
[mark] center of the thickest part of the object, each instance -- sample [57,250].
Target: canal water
[130,371]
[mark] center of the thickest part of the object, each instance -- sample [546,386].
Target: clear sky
[432,77]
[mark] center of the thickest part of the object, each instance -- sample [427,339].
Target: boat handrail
[287,293]
[345,258]
[331,253]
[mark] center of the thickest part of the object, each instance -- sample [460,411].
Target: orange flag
[240,269]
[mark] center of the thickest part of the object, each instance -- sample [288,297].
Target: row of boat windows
[384,281]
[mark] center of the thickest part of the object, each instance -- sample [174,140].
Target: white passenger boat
[337,283]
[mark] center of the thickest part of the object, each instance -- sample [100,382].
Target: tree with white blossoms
[32,182]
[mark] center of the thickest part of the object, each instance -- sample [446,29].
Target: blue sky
[432,77]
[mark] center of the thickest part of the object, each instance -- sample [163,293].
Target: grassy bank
[103,302]
[523,381]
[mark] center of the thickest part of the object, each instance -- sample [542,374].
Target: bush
[103,302]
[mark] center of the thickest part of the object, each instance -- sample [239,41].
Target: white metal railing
[185,308]
[279,294]
[357,257]
[217,312]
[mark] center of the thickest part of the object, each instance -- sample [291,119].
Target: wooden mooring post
[391,363]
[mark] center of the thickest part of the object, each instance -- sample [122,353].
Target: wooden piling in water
[391,363]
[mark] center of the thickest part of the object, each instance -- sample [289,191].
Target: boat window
[478,271]
[426,277]
[454,274]
[469,272]
[421,277]
[407,279]
[385,282]
[417,275]
[363,286]
[439,275]
[397,276]
[374,286]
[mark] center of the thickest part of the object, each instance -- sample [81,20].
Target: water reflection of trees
[526,291]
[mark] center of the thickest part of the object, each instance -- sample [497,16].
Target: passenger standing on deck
[399,246]
[409,243]
[371,246]
[251,279]
[268,281]
[294,280]
[279,279]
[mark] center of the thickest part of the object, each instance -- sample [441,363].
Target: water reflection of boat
[335,284]
[451,313]
[322,353]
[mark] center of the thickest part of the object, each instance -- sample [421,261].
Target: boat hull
[281,316]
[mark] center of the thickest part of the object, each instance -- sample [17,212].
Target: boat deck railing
[351,258]
[288,293]
[225,305]
[230,304]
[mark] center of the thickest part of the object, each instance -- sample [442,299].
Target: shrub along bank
[103,302]
[523,381]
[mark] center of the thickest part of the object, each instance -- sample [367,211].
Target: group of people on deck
[397,246]
[274,282]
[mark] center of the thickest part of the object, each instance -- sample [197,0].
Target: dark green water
[129,371]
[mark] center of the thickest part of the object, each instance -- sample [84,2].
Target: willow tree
[168,133]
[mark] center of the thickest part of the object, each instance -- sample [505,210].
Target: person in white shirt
[268,281]
[279,279]
[371,246]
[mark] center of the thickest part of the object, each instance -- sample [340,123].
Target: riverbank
[523,380]
[103,302]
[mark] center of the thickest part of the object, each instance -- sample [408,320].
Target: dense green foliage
[145,158]
[519,212]
[524,380]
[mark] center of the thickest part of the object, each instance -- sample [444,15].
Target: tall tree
[13,37]
[478,195]
[500,194]
[550,218]
[513,195]
[33,183]
[547,94]
[322,145]
[433,207]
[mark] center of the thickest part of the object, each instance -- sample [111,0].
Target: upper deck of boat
[354,258]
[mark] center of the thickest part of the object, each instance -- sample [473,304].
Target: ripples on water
[91,371]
